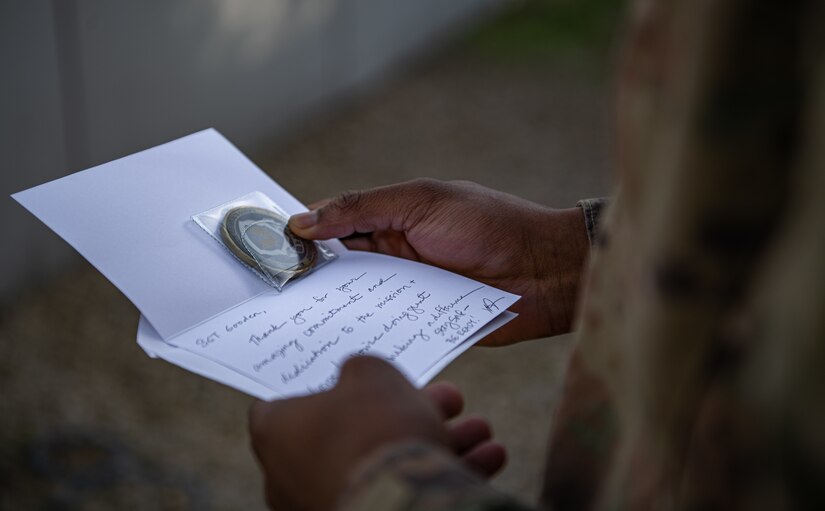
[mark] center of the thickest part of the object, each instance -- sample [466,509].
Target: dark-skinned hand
[308,447]
[463,227]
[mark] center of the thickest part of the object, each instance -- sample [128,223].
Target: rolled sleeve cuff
[413,476]
[592,209]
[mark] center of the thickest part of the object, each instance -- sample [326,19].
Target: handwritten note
[294,342]
[210,315]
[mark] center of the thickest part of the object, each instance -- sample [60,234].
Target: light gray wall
[32,143]
[87,81]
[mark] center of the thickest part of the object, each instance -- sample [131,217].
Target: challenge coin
[261,239]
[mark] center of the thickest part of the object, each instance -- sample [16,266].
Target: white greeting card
[131,218]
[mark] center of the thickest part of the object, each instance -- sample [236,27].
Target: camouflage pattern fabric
[697,380]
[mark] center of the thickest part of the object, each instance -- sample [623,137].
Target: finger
[363,368]
[469,433]
[257,421]
[382,208]
[319,204]
[365,243]
[395,244]
[447,398]
[487,458]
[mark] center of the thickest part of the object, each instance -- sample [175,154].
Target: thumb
[392,207]
[367,368]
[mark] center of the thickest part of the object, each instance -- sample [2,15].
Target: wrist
[560,253]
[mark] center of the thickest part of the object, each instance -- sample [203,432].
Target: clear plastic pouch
[254,230]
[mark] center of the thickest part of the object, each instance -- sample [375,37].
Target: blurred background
[324,95]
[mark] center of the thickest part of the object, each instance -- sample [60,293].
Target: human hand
[486,235]
[309,446]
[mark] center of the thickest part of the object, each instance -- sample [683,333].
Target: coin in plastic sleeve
[261,239]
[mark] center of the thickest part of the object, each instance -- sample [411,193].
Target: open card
[132,219]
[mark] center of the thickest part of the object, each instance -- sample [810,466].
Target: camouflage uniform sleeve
[592,209]
[413,476]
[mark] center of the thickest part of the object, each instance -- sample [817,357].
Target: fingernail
[304,220]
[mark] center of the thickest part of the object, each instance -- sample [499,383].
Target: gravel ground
[87,421]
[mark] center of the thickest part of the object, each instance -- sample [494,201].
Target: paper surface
[131,218]
[207,313]
[149,340]
[155,347]
[293,342]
